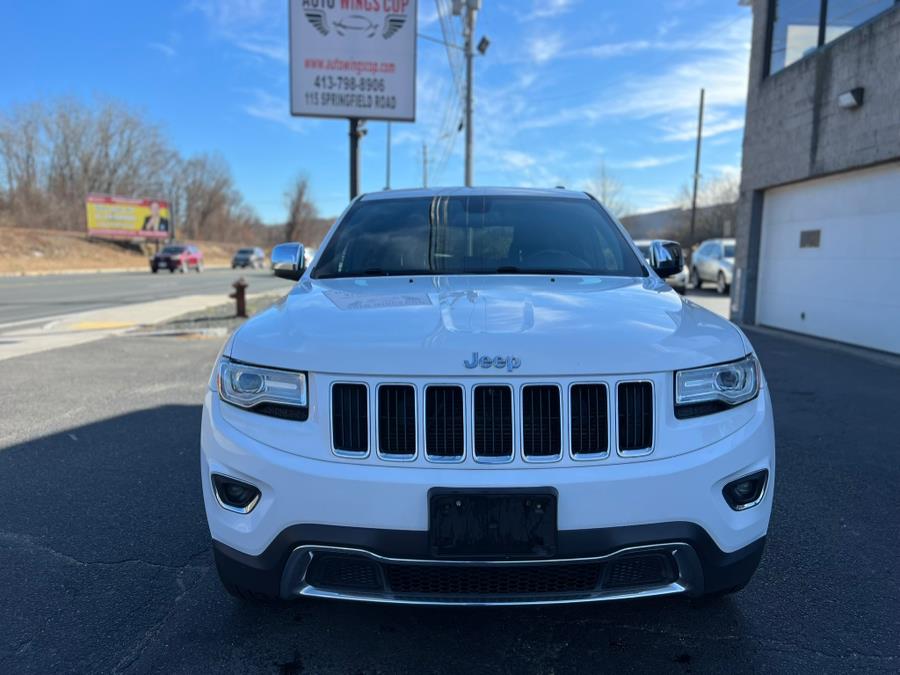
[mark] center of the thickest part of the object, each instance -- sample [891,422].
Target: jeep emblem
[510,363]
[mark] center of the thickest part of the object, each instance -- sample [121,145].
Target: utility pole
[697,165]
[424,165]
[387,171]
[471,8]
[357,131]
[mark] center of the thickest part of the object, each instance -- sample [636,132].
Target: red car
[181,257]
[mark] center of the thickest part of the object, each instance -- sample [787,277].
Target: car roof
[474,192]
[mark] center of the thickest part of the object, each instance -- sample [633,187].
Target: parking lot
[106,559]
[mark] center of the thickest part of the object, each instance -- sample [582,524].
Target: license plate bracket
[493,524]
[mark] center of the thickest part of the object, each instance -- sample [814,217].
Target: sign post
[353,59]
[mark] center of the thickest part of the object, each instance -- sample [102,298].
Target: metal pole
[424,165]
[387,179]
[697,166]
[354,157]
[469,33]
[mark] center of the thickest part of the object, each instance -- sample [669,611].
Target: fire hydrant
[239,295]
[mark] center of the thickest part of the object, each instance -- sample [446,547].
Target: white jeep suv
[485,396]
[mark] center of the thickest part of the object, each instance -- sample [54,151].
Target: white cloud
[547,9]
[266,106]
[166,50]
[515,159]
[545,48]
[648,162]
[277,50]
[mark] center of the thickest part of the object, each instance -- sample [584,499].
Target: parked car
[495,400]
[181,257]
[249,257]
[677,281]
[713,261]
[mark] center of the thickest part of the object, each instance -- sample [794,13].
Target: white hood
[429,326]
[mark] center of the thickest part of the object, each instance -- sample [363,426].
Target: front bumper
[310,507]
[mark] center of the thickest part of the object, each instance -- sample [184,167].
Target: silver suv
[713,261]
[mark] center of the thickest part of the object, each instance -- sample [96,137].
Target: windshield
[245,251]
[477,235]
[729,250]
[173,250]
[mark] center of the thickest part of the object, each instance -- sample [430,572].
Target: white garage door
[830,258]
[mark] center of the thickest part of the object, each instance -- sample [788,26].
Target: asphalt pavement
[106,565]
[39,297]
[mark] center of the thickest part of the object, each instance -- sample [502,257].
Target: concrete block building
[818,222]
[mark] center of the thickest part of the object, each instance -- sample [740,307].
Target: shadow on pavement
[106,551]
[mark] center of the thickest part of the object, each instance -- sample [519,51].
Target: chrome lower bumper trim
[294,583]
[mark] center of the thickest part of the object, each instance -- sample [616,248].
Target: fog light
[747,491]
[235,495]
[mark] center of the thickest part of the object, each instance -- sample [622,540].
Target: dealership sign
[132,218]
[353,58]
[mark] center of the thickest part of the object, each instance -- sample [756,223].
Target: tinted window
[729,250]
[245,251]
[173,250]
[477,235]
[845,15]
[798,27]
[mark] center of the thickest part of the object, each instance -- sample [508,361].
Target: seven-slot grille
[492,410]
[541,421]
[590,425]
[635,416]
[493,420]
[350,418]
[397,420]
[444,422]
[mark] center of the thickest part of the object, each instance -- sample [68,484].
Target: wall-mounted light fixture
[852,98]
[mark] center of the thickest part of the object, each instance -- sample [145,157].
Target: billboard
[131,218]
[353,58]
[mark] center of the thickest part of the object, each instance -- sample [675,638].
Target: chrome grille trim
[393,456]
[294,582]
[636,452]
[589,456]
[541,459]
[467,387]
[446,459]
[350,453]
[473,414]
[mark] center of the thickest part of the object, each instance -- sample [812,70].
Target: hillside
[33,250]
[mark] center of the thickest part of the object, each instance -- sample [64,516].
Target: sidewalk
[30,337]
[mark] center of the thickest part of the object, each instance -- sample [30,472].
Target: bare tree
[52,156]
[608,189]
[301,222]
[716,208]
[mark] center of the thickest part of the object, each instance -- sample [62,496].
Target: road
[106,565]
[27,298]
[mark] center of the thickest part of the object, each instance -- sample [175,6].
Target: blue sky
[565,86]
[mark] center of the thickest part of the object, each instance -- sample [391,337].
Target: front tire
[695,282]
[721,285]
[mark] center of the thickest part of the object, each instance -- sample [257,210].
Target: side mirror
[666,257]
[288,261]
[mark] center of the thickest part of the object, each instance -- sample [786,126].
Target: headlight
[701,391]
[269,391]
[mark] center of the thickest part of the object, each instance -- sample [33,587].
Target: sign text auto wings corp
[353,58]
